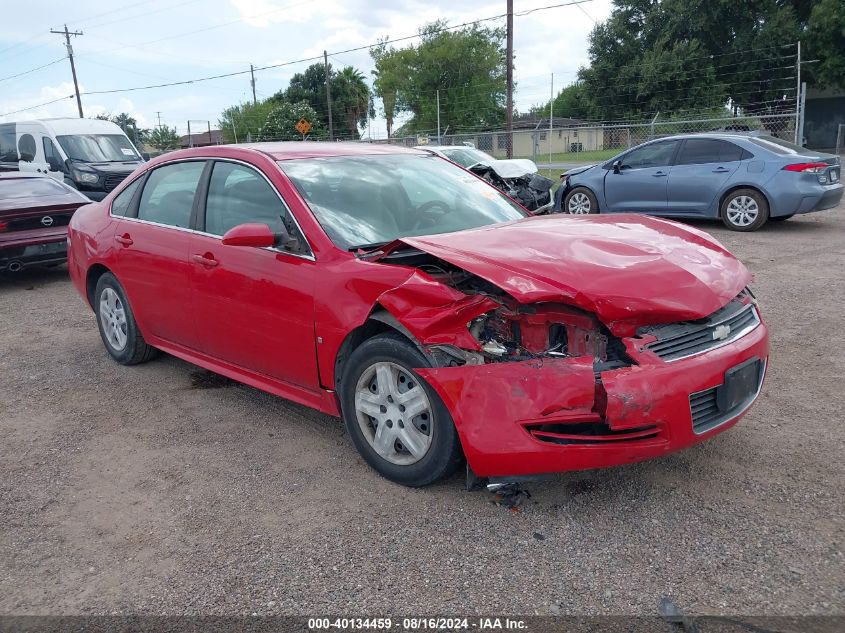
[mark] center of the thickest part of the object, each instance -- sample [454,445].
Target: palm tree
[353,97]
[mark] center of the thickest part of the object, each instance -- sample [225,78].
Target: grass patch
[577,157]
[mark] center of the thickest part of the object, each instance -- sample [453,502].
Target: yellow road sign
[303,126]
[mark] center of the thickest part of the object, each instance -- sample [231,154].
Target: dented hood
[510,167]
[629,270]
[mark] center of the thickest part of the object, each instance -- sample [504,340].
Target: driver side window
[652,155]
[238,194]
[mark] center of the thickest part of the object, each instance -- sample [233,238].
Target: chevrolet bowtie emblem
[721,332]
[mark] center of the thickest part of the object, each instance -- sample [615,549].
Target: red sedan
[34,214]
[432,313]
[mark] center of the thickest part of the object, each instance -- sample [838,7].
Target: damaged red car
[431,312]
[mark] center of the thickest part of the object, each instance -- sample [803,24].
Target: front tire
[118,329]
[580,201]
[398,423]
[744,210]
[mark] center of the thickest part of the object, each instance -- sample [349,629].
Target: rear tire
[116,322]
[415,445]
[580,201]
[744,210]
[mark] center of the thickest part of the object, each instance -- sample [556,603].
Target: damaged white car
[517,177]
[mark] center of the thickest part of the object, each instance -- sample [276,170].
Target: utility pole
[797,140]
[158,114]
[438,118]
[67,35]
[509,104]
[252,83]
[551,114]
[328,95]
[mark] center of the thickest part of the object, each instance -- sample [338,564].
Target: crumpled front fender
[434,313]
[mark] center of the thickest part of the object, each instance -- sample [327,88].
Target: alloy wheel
[394,413]
[742,211]
[113,319]
[579,203]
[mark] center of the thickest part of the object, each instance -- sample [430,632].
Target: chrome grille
[681,340]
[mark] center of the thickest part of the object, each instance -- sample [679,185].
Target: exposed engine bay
[518,332]
[531,190]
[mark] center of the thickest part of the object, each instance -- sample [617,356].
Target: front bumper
[646,407]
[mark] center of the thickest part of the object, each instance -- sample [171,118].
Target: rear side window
[8,149]
[238,195]
[168,195]
[120,205]
[26,148]
[697,151]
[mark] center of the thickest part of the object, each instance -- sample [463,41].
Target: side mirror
[54,163]
[257,235]
[617,166]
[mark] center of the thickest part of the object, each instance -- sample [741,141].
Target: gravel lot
[152,489]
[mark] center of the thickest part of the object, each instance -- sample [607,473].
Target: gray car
[744,180]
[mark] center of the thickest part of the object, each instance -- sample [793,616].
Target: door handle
[720,170]
[659,174]
[123,239]
[205,260]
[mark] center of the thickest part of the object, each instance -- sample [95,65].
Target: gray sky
[160,41]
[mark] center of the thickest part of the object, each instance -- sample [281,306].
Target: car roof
[9,175]
[717,135]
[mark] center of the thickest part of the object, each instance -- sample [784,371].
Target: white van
[91,155]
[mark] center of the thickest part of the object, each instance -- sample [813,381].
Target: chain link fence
[577,142]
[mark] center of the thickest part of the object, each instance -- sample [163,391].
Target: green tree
[389,76]
[680,55]
[163,138]
[826,40]
[128,124]
[352,100]
[243,121]
[282,120]
[467,67]
[350,97]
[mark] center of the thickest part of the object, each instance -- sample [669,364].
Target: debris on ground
[673,614]
[510,496]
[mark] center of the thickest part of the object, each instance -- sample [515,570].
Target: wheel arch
[378,322]
[95,271]
[735,187]
[582,185]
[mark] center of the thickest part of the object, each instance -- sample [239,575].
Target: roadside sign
[303,126]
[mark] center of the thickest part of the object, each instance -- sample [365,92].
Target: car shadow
[35,277]
[793,225]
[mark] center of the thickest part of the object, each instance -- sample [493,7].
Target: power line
[32,70]
[320,57]
[5,114]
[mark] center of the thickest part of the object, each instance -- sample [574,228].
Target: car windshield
[467,156]
[366,201]
[30,188]
[98,148]
[777,145]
